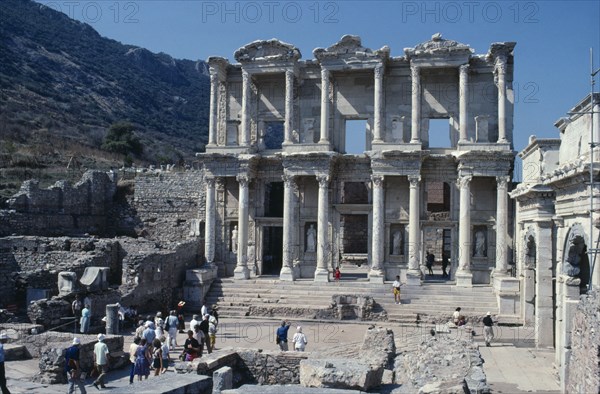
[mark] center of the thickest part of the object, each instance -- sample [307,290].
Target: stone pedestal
[112,319]
[321,275]
[376,276]
[508,294]
[67,283]
[464,279]
[196,285]
[414,277]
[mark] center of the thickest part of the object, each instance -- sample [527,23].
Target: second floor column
[463,275]
[501,226]
[463,101]
[241,269]
[415,131]
[214,100]
[413,276]
[289,107]
[500,70]
[245,124]
[289,228]
[209,221]
[377,244]
[322,271]
[324,106]
[378,104]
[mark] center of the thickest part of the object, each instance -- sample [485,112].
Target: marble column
[245,137]
[289,107]
[289,227]
[241,269]
[378,105]
[501,226]
[415,131]
[500,71]
[322,271]
[463,276]
[209,221]
[214,96]
[463,101]
[376,273]
[324,106]
[414,274]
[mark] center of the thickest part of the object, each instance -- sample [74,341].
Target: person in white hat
[101,361]
[3,340]
[72,367]
[488,329]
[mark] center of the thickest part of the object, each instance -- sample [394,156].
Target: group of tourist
[281,338]
[200,334]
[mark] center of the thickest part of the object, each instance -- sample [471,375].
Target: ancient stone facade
[554,230]
[283,195]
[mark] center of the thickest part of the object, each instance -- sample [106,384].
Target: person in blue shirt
[72,367]
[3,340]
[282,334]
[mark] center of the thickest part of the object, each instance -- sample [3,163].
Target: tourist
[149,334]
[458,319]
[204,326]
[282,336]
[3,340]
[171,328]
[204,309]
[166,359]
[194,322]
[101,361]
[142,360]
[215,313]
[139,331]
[84,322]
[430,260]
[337,274]
[132,356]
[72,367]
[180,317]
[212,331]
[199,336]
[87,302]
[76,307]
[445,263]
[191,347]
[299,340]
[488,329]
[159,324]
[157,363]
[396,289]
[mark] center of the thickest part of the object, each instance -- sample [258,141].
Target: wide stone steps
[235,298]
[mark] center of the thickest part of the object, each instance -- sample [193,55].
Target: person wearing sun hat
[72,367]
[101,361]
[488,329]
[3,340]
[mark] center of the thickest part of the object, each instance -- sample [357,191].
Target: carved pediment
[350,46]
[438,46]
[271,50]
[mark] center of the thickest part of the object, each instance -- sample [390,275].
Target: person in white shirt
[396,289]
[204,310]
[194,322]
[101,361]
[299,340]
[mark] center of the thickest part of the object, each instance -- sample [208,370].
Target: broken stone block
[67,283]
[339,373]
[95,278]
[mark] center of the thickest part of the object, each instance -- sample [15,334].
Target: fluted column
[377,244]
[289,107]
[463,276]
[209,222]
[378,103]
[245,137]
[322,271]
[414,274]
[463,101]
[415,131]
[214,96]
[501,226]
[241,269]
[500,71]
[324,106]
[289,227]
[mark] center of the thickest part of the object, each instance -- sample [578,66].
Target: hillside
[62,85]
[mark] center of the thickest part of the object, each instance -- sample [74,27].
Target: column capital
[414,180]
[379,68]
[243,179]
[245,76]
[378,181]
[210,181]
[324,73]
[502,181]
[464,70]
[290,182]
[415,72]
[323,181]
[464,181]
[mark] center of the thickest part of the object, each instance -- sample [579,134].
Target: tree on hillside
[121,138]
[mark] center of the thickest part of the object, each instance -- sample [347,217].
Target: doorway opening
[272,257]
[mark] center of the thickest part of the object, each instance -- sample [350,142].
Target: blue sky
[552,61]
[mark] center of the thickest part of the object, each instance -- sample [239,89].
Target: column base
[241,273]
[414,277]
[286,274]
[376,276]
[321,275]
[415,141]
[464,279]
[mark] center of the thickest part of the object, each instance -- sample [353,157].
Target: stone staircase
[270,297]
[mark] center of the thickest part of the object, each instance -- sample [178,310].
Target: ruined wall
[583,368]
[166,202]
[61,209]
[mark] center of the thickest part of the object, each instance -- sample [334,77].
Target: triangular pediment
[271,50]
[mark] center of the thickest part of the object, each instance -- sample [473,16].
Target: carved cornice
[438,46]
[349,49]
[267,51]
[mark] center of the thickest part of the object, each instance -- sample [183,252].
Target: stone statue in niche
[311,239]
[577,248]
[396,242]
[479,244]
[308,135]
[530,253]
[234,239]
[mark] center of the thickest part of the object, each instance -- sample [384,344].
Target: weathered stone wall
[583,368]
[271,368]
[61,209]
[166,202]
